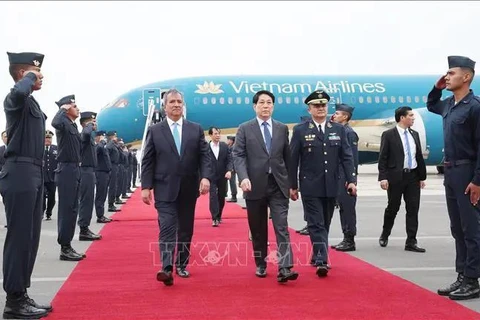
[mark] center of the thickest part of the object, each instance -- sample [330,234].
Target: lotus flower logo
[209,87]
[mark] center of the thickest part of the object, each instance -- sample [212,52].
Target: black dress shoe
[322,271]
[103,219]
[68,254]
[124,196]
[20,308]
[347,246]
[32,302]
[165,277]
[333,246]
[112,208]
[119,202]
[182,273]
[414,248]
[383,242]
[215,223]
[452,287]
[87,235]
[304,231]
[469,289]
[261,272]
[232,200]
[285,274]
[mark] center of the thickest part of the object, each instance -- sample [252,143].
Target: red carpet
[117,280]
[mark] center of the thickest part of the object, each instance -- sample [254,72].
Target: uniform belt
[457,162]
[27,160]
[409,170]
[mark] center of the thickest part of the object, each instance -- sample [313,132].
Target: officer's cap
[318,96]
[344,107]
[66,100]
[111,133]
[87,115]
[129,146]
[231,138]
[460,62]
[49,134]
[101,133]
[29,58]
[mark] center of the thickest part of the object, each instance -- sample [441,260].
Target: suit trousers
[257,212]
[68,181]
[49,197]
[217,197]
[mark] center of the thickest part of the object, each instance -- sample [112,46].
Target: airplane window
[424,99]
[214,100]
[205,100]
[296,100]
[400,99]
[196,101]
[280,100]
[393,99]
[222,100]
[409,99]
[360,99]
[377,99]
[385,99]
[230,100]
[288,100]
[417,99]
[247,100]
[239,100]
[369,99]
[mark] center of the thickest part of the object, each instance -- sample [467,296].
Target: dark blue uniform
[21,186]
[102,173]
[50,160]
[127,172]
[2,156]
[67,177]
[461,133]
[134,165]
[114,158]
[87,177]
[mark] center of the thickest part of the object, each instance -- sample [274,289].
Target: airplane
[226,102]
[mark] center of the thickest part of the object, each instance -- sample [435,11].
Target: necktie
[176,136]
[268,136]
[409,153]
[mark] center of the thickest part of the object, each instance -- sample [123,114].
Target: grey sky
[99,50]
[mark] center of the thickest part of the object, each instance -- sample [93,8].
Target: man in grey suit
[176,157]
[261,157]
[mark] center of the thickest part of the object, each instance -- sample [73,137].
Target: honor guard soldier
[347,202]
[461,134]
[67,175]
[126,171]
[121,173]
[134,165]
[88,153]
[114,158]
[21,184]
[50,164]
[102,174]
[319,148]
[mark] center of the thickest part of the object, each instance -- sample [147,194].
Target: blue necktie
[176,136]
[409,153]
[268,137]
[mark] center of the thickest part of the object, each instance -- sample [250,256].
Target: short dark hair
[259,93]
[210,131]
[14,70]
[401,112]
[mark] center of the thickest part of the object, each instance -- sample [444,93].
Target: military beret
[344,107]
[112,133]
[460,62]
[101,133]
[49,134]
[231,138]
[318,96]
[66,100]
[29,58]
[87,115]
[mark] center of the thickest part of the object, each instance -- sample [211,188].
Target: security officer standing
[88,153]
[102,174]
[233,179]
[347,202]
[21,184]
[50,164]
[121,172]
[318,148]
[67,175]
[114,158]
[134,166]
[461,134]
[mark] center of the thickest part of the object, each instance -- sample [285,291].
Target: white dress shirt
[215,148]
[320,125]
[179,126]
[413,148]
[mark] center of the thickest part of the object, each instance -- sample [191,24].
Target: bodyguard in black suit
[21,184]
[67,175]
[50,164]
[102,175]
[176,158]
[402,172]
[319,148]
[222,165]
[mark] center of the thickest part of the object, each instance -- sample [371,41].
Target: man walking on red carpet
[176,157]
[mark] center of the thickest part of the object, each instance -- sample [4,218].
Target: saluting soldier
[88,153]
[347,202]
[114,158]
[319,148]
[50,164]
[67,175]
[121,172]
[21,184]
[102,173]
[461,134]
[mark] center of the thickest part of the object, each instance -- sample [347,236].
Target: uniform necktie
[409,154]
[268,136]
[176,136]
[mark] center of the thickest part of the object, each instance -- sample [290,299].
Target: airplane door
[151,98]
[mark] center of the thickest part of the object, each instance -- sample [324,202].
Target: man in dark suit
[222,165]
[176,156]
[50,164]
[261,156]
[402,171]
[233,179]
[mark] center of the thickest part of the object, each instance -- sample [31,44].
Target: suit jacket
[392,157]
[2,156]
[224,162]
[164,170]
[50,163]
[252,160]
